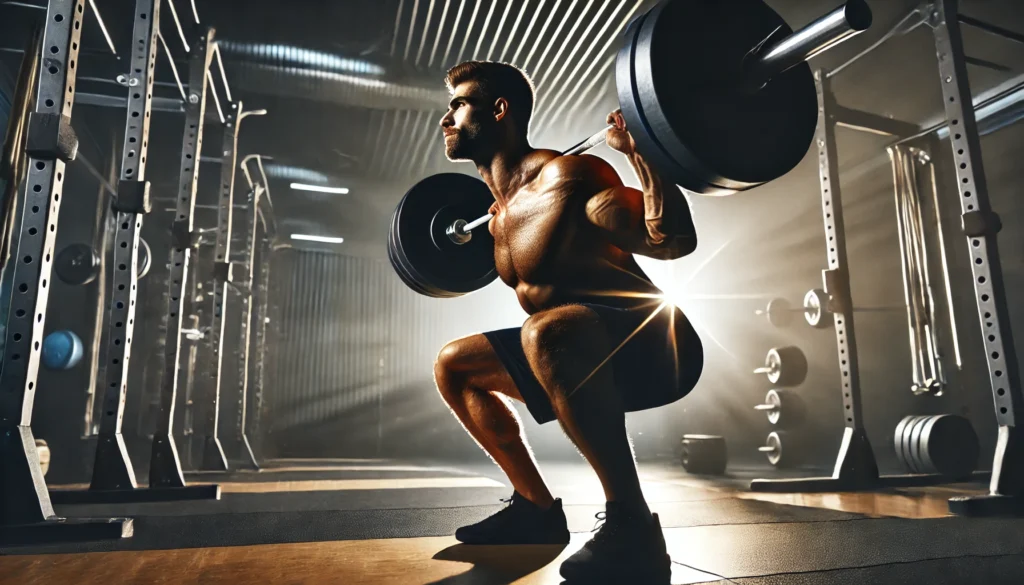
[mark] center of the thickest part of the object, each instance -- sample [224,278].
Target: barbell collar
[775,56]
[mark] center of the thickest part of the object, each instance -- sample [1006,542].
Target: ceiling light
[319,188]
[322,239]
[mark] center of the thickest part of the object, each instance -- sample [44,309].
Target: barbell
[815,310]
[737,111]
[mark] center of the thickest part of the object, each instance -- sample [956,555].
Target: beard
[464,145]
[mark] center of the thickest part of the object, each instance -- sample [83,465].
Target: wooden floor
[402,561]
[417,561]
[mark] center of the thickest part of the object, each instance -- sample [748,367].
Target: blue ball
[62,350]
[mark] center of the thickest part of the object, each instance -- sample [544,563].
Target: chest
[532,230]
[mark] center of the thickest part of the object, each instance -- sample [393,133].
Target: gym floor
[376,521]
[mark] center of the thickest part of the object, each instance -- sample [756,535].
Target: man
[600,340]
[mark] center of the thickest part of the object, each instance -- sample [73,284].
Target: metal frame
[855,466]
[981,225]
[113,479]
[209,385]
[26,512]
[248,315]
[165,466]
[112,468]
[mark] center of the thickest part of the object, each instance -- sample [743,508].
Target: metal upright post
[165,466]
[855,466]
[980,226]
[113,469]
[246,322]
[26,513]
[209,393]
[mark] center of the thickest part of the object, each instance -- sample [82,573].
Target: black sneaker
[624,550]
[521,522]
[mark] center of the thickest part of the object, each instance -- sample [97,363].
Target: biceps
[617,210]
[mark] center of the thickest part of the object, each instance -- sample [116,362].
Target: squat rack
[856,468]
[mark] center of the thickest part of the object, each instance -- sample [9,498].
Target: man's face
[468,125]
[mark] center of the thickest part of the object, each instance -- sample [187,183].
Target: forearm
[666,211]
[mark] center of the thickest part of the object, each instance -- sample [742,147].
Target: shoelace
[602,517]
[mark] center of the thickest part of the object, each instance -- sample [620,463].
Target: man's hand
[619,138]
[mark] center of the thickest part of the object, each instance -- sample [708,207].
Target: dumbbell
[772,407]
[945,444]
[815,310]
[704,454]
[784,366]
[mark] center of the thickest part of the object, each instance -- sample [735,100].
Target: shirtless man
[600,340]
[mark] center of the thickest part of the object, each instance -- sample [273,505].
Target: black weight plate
[793,368]
[77,264]
[897,440]
[950,446]
[689,70]
[442,269]
[904,444]
[636,122]
[915,444]
[400,269]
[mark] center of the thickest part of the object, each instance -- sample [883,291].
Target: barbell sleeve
[775,56]
[456,231]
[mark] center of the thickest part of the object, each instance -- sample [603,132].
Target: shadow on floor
[496,565]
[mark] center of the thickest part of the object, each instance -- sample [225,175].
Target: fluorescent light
[311,238]
[319,189]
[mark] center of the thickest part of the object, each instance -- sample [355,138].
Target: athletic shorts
[650,369]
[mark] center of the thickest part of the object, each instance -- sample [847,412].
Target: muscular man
[600,340]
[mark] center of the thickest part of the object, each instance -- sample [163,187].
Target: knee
[448,371]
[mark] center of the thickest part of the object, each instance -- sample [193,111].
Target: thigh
[658,357]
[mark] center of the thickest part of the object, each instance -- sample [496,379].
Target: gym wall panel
[352,358]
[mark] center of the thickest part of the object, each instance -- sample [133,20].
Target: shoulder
[585,167]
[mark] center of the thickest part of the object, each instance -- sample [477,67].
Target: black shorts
[651,369]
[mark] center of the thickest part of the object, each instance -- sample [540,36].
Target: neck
[503,170]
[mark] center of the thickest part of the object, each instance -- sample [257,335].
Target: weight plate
[913,452]
[401,269]
[775,454]
[697,108]
[905,440]
[816,311]
[443,269]
[950,446]
[897,440]
[775,400]
[77,264]
[632,111]
[792,366]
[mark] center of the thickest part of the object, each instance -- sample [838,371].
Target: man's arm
[651,222]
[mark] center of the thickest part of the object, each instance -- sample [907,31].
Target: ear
[500,109]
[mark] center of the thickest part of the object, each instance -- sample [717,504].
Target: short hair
[498,80]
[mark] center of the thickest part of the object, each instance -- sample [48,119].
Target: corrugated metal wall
[352,353]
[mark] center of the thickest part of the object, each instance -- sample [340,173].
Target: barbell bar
[815,309]
[739,113]
[774,55]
